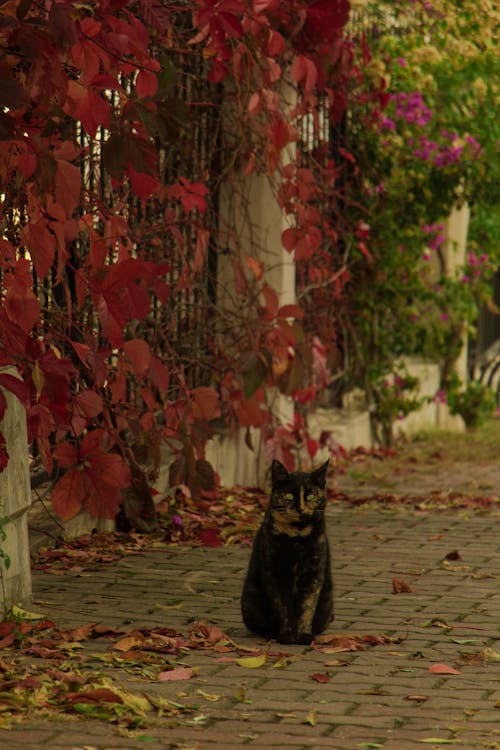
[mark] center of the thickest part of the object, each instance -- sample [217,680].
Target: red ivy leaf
[85,104]
[319,677]
[207,402]
[146,84]
[139,353]
[68,186]
[69,494]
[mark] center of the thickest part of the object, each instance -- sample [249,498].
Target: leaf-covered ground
[47,671]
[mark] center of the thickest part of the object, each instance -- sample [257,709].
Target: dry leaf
[252,662]
[320,677]
[417,698]
[179,673]
[443,669]
[311,718]
[401,587]
[127,643]
[455,555]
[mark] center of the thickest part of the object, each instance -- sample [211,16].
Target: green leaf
[23,614]
[440,741]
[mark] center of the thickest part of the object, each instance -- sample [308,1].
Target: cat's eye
[288,496]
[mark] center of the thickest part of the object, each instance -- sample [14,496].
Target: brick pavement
[380,697]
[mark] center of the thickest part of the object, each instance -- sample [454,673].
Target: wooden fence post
[15,499]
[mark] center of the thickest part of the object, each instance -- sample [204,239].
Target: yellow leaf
[489,654]
[209,696]
[311,718]
[282,662]
[137,703]
[127,643]
[38,379]
[25,615]
[252,662]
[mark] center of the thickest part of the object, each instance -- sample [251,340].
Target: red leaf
[85,104]
[289,239]
[21,305]
[4,454]
[291,311]
[102,500]
[146,84]
[401,587]
[139,353]
[96,696]
[159,374]
[207,402]
[89,403]
[180,673]
[338,643]
[259,6]
[66,455]
[69,494]
[304,71]
[15,385]
[256,266]
[318,677]
[191,194]
[251,413]
[210,537]
[325,18]
[142,184]
[443,669]
[68,186]
[271,302]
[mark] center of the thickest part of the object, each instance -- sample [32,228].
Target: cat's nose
[302,501]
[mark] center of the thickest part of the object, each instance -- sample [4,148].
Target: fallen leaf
[455,555]
[465,641]
[96,696]
[417,698]
[127,643]
[286,716]
[486,654]
[401,587]
[332,644]
[252,662]
[209,696]
[23,614]
[337,663]
[320,677]
[311,718]
[179,673]
[443,669]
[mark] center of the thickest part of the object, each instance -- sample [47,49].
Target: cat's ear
[279,473]
[318,476]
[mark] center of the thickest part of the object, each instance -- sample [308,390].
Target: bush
[475,403]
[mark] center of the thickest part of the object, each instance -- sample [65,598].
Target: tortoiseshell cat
[288,591]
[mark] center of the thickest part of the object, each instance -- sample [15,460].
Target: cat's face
[298,493]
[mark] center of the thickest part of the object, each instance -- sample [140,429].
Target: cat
[288,589]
